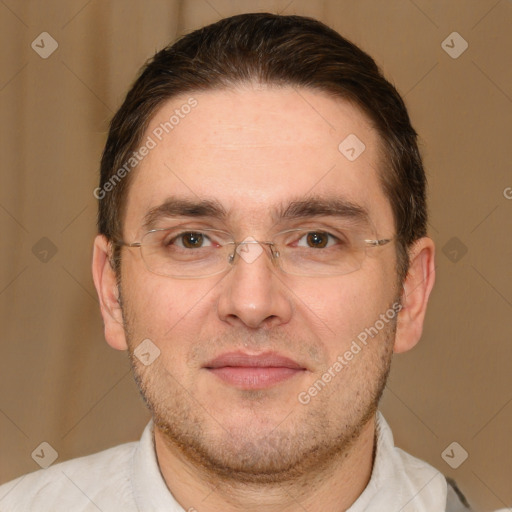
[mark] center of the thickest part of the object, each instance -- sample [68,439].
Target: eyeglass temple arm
[376,243]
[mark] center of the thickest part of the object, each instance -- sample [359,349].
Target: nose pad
[251,249]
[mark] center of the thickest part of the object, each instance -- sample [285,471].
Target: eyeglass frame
[274,254]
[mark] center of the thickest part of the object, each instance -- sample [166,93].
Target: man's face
[254,151]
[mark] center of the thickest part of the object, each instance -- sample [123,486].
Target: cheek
[344,306]
[172,313]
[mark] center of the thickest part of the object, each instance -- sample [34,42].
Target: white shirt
[127,478]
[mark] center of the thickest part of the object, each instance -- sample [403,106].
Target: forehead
[252,149]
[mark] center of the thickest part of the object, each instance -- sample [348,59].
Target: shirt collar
[400,481]
[149,488]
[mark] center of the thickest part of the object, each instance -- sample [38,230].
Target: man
[262,252]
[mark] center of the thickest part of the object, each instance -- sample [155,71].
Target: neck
[334,487]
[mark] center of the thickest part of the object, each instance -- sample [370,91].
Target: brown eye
[191,240]
[317,239]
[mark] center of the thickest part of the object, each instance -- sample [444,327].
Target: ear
[105,281]
[416,291]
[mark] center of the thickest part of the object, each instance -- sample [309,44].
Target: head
[232,128]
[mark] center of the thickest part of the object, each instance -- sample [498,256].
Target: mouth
[246,371]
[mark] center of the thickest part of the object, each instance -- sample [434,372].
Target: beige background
[62,384]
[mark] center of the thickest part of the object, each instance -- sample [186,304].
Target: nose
[253,293]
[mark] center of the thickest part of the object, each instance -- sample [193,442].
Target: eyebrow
[300,208]
[314,206]
[177,207]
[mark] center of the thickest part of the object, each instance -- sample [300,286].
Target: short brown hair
[275,50]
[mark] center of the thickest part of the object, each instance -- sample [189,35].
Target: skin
[220,447]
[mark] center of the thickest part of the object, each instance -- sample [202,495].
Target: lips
[240,359]
[248,371]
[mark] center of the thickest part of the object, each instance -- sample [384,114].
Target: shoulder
[418,471]
[421,479]
[81,484]
[415,484]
